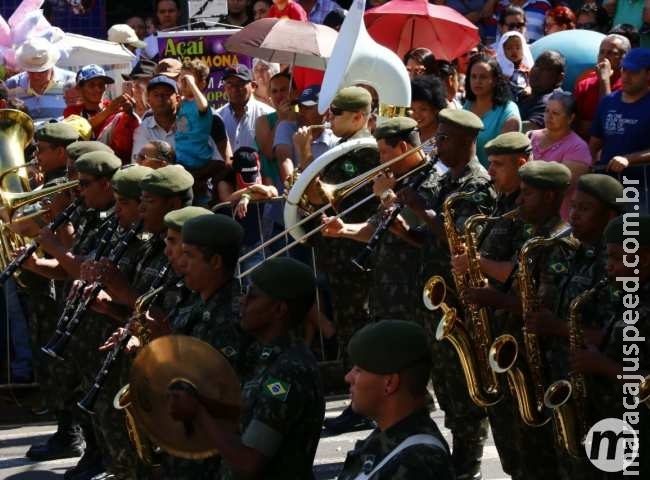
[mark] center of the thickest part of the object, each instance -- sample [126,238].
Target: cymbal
[174,357]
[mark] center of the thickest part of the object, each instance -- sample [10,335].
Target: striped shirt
[48,105]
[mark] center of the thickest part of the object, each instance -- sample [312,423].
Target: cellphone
[127,87]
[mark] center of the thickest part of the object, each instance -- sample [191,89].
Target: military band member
[456,144]
[616,366]
[282,397]
[388,382]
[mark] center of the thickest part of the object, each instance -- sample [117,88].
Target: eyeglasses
[515,26]
[586,26]
[141,157]
[336,111]
[441,137]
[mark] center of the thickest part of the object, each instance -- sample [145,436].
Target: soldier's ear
[216,262]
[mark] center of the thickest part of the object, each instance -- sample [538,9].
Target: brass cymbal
[174,357]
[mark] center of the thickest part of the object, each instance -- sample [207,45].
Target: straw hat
[122,33]
[37,55]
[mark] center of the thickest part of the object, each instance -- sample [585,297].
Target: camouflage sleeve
[278,406]
[416,463]
[482,201]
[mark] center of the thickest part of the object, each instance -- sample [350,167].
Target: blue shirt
[49,105]
[192,138]
[493,123]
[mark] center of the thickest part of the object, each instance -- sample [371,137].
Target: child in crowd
[194,124]
[516,60]
[287,9]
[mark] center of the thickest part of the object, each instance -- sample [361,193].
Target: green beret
[545,175]
[621,228]
[126,181]
[212,230]
[77,149]
[507,143]
[602,187]
[389,346]
[175,219]
[57,133]
[460,118]
[352,99]
[395,127]
[167,181]
[99,164]
[284,279]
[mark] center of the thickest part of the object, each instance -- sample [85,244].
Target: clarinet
[87,403]
[118,251]
[369,248]
[59,220]
[76,294]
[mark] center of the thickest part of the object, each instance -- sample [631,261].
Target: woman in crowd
[420,61]
[262,73]
[557,142]
[559,19]
[488,96]
[428,97]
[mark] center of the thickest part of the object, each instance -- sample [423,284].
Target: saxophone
[144,448]
[566,398]
[525,375]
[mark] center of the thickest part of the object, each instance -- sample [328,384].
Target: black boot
[348,421]
[90,463]
[65,443]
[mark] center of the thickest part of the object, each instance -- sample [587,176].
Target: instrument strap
[419,439]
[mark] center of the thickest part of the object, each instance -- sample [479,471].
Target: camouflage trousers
[175,468]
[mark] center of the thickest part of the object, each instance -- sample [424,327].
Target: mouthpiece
[323,125]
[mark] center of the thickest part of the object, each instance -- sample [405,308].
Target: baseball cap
[169,67]
[162,80]
[92,71]
[246,165]
[636,59]
[240,71]
[143,69]
[309,96]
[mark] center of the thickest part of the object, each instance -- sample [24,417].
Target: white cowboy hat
[37,55]
[122,33]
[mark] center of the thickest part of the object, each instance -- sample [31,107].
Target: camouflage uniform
[418,461]
[282,409]
[467,422]
[217,323]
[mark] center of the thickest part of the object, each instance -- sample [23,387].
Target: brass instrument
[567,398]
[644,391]
[525,375]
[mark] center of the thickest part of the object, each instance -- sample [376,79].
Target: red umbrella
[405,24]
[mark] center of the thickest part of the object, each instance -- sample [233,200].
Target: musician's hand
[110,277]
[89,271]
[383,182]
[132,345]
[409,198]
[48,241]
[114,339]
[30,263]
[545,323]
[588,360]
[618,163]
[459,263]
[483,297]
[102,302]
[74,289]
[333,226]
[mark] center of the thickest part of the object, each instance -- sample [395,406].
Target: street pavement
[15,440]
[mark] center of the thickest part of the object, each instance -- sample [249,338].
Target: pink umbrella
[405,24]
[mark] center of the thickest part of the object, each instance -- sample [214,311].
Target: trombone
[335,193]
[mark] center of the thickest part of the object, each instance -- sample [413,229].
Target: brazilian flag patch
[277,389]
[559,267]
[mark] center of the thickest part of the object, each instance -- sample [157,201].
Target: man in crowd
[546,76]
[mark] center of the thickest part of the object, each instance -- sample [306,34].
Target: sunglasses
[441,137]
[140,157]
[515,26]
[586,26]
[336,111]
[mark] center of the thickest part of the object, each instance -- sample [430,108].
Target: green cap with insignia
[545,175]
[604,188]
[284,279]
[460,118]
[77,149]
[167,181]
[99,164]
[389,346]
[57,133]
[395,127]
[126,181]
[212,230]
[508,143]
[629,226]
[352,99]
[175,219]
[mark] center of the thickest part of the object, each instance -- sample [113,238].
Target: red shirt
[586,95]
[292,11]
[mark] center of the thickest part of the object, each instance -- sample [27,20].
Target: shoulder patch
[277,388]
[228,351]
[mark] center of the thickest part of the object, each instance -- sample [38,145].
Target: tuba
[566,398]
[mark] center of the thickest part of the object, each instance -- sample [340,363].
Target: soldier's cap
[77,149]
[284,279]
[395,127]
[460,118]
[58,133]
[352,99]
[175,219]
[545,175]
[602,187]
[619,229]
[389,346]
[214,231]
[80,124]
[508,143]
[126,181]
[167,181]
[99,164]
